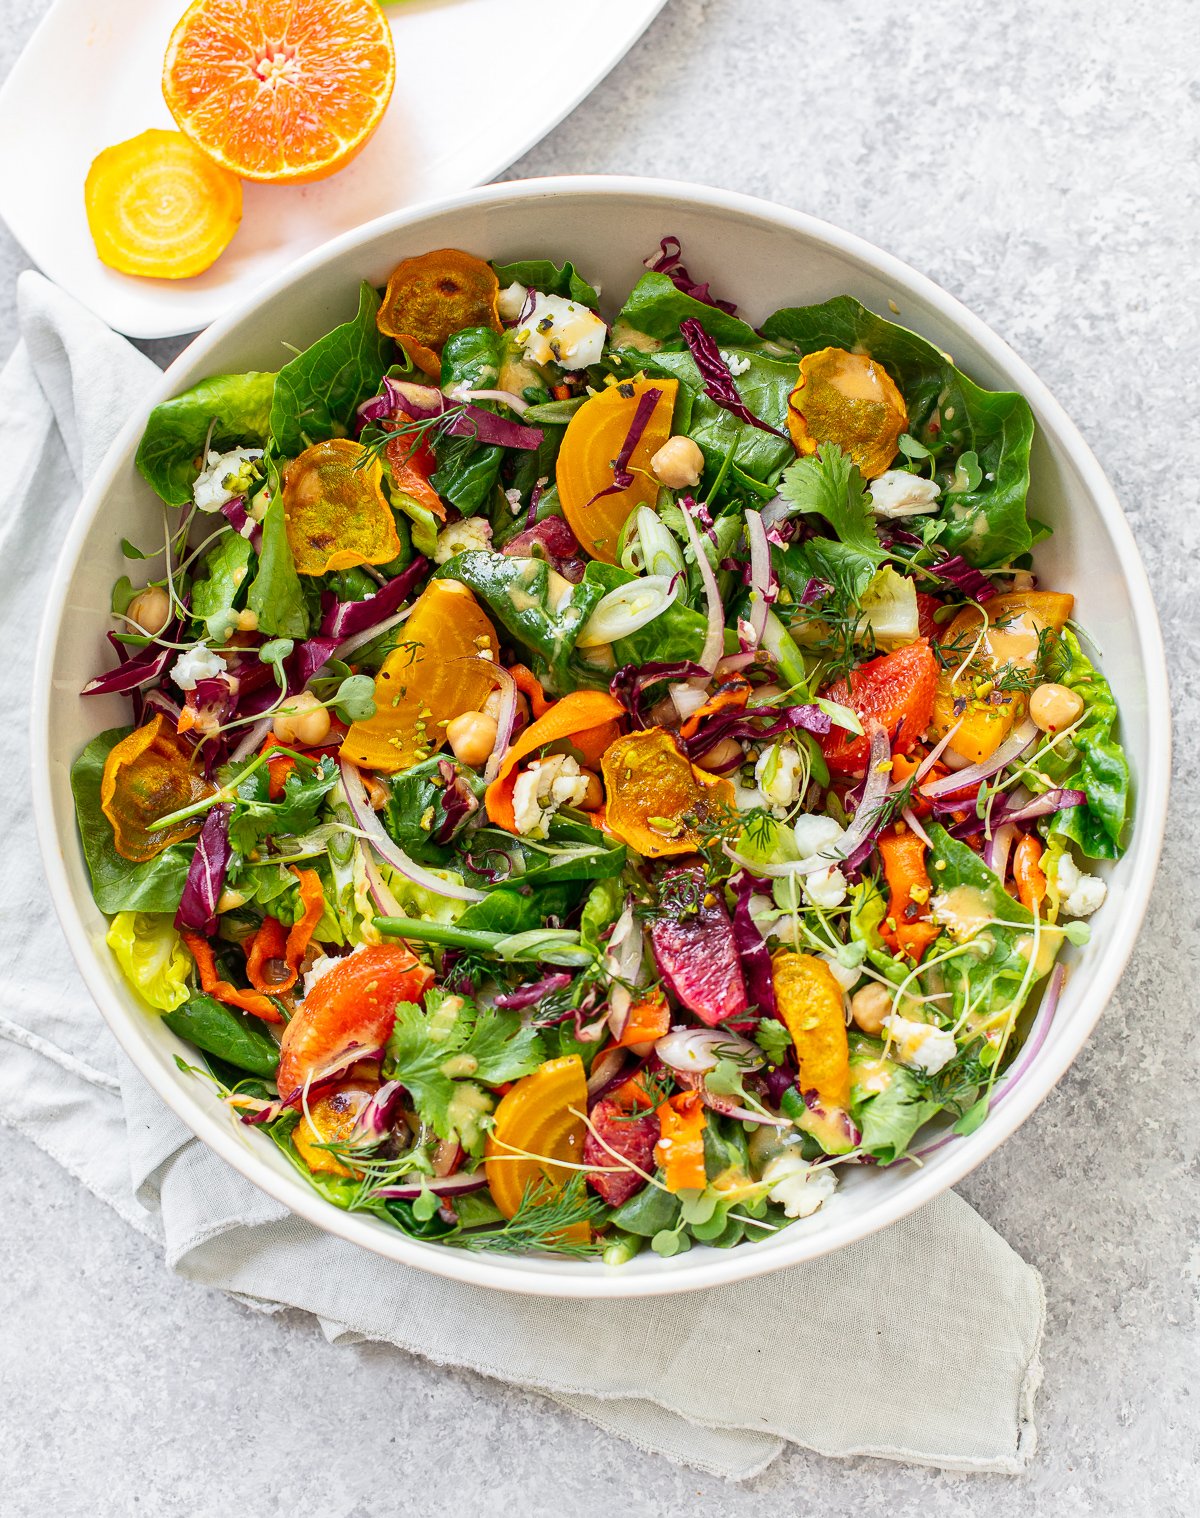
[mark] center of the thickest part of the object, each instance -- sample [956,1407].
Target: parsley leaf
[828,484]
[773,1039]
[442,1054]
[256,816]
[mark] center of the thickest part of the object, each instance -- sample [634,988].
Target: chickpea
[247,621]
[1053,707]
[472,736]
[764,693]
[302,720]
[678,463]
[150,609]
[721,756]
[593,797]
[869,1006]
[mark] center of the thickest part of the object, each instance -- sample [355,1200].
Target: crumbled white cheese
[778,775]
[542,788]
[511,301]
[224,476]
[513,497]
[734,364]
[825,888]
[919,1044]
[458,537]
[1079,894]
[196,664]
[563,332]
[797,1186]
[896,493]
[815,833]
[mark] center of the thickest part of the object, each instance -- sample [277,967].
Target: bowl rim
[688,1272]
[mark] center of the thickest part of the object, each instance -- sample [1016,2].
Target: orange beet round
[283,91]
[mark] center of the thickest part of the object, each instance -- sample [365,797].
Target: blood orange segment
[896,689]
[283,91]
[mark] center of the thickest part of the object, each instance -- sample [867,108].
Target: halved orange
[282,91]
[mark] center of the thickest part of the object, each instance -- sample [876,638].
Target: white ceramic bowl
[764,257]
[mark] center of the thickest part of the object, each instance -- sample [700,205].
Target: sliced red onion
[606,1072]
[390,851]
[914,823]
[1012,748]
[377,1116]
[1046,805]
[714,640]
[443,1185]
[695,1050]
[508,398]
[380,894]
[623,964]
[529,995]
[762,579]
[858,835]
[632,681]
[997,848]
[726,1105]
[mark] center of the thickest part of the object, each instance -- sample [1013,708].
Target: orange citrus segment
[283,91]
[157,206]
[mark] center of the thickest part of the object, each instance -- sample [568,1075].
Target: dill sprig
[539,1222]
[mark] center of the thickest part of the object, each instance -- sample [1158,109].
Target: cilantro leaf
[453,1045]
[773,1039]
[256,816]
[828,484]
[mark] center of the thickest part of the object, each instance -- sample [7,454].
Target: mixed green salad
[584,784]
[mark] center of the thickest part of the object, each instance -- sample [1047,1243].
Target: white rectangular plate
[478,82]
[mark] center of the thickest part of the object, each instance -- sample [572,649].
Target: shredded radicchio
[755,956]
[717,380]
[342,619]
[424,403]
[552,540]
[533,991]
[631,682]
[458,802]
[744,725]
[134,670]
[951,569]
[668,260]
[622,478]
[206,874]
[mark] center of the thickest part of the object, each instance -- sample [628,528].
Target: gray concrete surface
[1040,161]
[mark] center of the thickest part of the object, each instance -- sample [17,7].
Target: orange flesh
[282,91]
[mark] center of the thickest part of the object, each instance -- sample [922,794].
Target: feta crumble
[542,788]
[778,774]
[563,332]
[224,476]
[1080,895]
[797,1186]
[896,493]
[735,364]
[919,1044]
[458,537]
[195,664]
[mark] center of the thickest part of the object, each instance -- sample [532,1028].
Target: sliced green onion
[626,609]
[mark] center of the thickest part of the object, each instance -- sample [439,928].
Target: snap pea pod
[556,946]
[218,1030]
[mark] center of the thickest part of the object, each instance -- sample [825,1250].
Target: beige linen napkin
[919,1344]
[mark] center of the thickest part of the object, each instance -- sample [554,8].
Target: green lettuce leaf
[1090,759]
[654,306]
[316,394]
[152,957]
[228,1035]
[276,596]
[676,633]
[237,407]
[467,471]
[541,274]
[218,586]
[983,518]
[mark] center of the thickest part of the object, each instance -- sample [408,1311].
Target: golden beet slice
[657,799]
[850,400]
[335,510]
[148,775]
